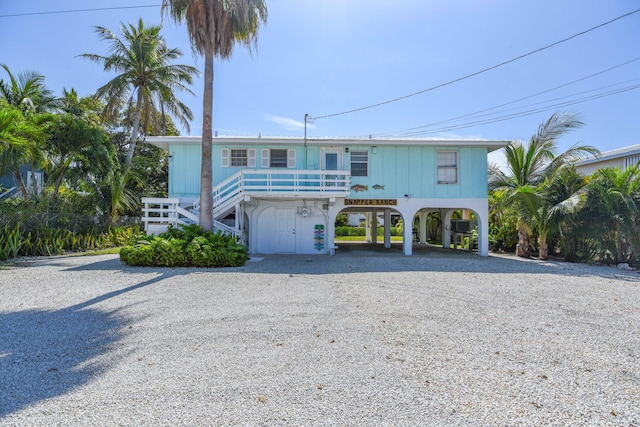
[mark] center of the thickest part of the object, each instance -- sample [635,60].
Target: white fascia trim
[492,145]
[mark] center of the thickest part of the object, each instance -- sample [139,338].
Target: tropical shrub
[342,220]
[187,246]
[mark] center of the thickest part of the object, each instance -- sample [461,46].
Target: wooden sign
[371,202]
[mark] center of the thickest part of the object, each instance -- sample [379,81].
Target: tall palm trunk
[544,247]
[20,181]
[206,173]
[522,248]
[134,132]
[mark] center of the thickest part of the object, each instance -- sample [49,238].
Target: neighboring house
[621,158]
[9,186]
[282,195]
[355,219]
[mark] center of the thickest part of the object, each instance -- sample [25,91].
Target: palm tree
[530,165]
[614,212]
[548,209]
[18,143]
[74,145]
[143,63]
[27,92]
[215,26]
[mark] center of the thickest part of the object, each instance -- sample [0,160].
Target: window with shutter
[291,159]
[359,163]
[278,158]
[251,157]
[224,158]
[447,167]
[238,157]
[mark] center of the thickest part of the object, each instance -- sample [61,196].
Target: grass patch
[107,251]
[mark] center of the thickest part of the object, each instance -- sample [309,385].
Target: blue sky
[321,57]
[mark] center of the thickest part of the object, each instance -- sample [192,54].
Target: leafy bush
[342,220]
[10,242]
[187,246]
[46,241]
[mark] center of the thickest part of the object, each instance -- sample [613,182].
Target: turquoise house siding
[410,170]
[184,170]
[413,171]
[287,219]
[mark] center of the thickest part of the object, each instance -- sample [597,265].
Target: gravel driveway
[361,338]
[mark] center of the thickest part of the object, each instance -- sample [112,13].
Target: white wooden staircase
[228,195]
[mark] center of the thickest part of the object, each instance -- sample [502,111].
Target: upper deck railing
[266,182]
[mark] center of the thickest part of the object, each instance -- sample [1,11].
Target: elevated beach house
[282,195]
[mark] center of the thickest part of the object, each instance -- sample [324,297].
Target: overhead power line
[78,10]
[523,113]
[485,110]
[477,72]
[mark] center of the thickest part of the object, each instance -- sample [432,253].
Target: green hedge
[361,231]
[188,246]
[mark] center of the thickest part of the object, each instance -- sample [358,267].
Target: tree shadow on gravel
[44,354]
[367,258]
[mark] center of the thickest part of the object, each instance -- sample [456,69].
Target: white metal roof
[165,141]
[612,154]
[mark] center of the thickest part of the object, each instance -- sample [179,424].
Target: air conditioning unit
[461,226]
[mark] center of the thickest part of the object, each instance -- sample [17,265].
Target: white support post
[374,227]
[407,236]
[387,228]
[423,227]
[367,227]
[446,228]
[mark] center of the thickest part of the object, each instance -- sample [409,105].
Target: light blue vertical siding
[412,170]
[184,170]
[400,169]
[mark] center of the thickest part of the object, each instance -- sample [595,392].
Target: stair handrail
[232,178]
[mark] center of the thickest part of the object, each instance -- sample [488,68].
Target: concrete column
[367,227]
[483,229]
[446,228]
[374,226]
[423,226]
[238,219]
[330,235]
[407,235]
[387,228]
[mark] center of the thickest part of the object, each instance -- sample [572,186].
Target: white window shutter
[224,158]
[251,158]
[291,159]
[266,161]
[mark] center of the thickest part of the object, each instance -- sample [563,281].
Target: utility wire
[478,72]
[523,113]
[78,10]
[478,113]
